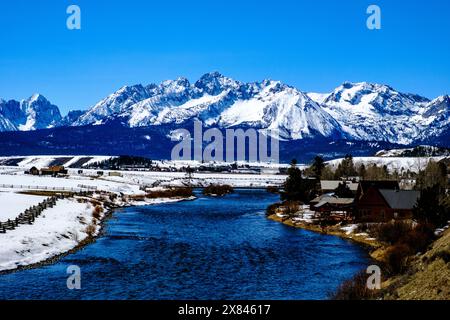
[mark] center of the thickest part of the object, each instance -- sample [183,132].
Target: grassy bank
[427,277]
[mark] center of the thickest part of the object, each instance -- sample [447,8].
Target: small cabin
[53,171]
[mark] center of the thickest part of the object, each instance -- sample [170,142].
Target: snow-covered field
[20,181]
[12,204]
[57,230]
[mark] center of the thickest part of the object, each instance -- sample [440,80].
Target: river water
[208,248]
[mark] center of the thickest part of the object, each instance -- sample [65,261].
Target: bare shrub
[90,230]
[140,197]
[272,209]
[291,206]
[98,210]
[112,196]
[390,232]
[396,258]
[218,190]
[419,238]
[170,193]
[95,202]
[287,207]
[354,289]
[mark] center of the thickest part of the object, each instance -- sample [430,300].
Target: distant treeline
[426,151]
[120,162]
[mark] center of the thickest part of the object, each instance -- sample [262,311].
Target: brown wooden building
[378,201]
[53,171]
[333,207]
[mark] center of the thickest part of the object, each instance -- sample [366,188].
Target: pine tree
[296,188]
[428,208]
[318,166]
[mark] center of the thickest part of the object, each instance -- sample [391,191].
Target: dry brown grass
[90,230]
[429,276]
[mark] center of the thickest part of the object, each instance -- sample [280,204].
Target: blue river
[208,248]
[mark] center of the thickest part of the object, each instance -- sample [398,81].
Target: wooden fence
[63,189]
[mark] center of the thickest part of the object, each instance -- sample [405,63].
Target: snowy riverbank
[57,230]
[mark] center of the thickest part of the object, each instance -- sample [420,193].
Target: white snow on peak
[318,97]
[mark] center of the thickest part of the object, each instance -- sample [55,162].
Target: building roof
[333,184]
[326,199]
[400,199]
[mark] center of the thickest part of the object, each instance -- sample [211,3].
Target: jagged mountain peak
[348,91]
[114,104]
[130,89]
[37,97]
[40,113]
[214,83]
[33,113]
[441,99]
[176,86]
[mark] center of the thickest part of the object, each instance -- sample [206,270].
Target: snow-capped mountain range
[353,111]
[31,114]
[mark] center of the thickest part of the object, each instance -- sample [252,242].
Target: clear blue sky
[313,45]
